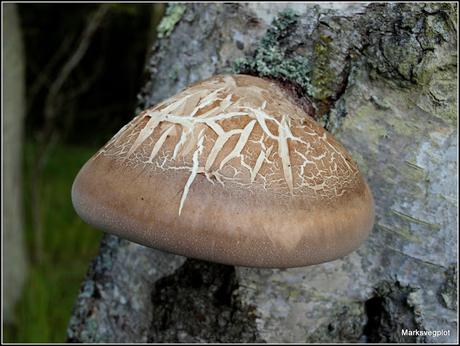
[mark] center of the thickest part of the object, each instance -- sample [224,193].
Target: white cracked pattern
[237,131]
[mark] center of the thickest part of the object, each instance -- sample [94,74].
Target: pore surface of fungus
[230,170]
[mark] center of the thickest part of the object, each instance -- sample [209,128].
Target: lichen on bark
[275,55]
[405,54]
[173,15]
[284,54]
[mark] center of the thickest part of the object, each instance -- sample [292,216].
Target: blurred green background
[84,65]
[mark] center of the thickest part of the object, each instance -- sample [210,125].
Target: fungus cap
[230,170]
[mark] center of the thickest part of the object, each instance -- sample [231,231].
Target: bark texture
[382,78]
[13,248]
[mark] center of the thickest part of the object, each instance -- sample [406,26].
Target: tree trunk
[14,257]
[382,78]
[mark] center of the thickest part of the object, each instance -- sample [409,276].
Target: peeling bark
[382,78]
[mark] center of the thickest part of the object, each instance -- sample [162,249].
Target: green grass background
[43,312]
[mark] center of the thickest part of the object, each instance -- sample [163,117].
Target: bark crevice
[199,303]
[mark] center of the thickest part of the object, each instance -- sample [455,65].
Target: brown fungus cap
[230,170]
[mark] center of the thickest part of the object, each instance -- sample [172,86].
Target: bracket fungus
[230,170]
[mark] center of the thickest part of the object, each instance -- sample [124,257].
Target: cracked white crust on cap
[230,170]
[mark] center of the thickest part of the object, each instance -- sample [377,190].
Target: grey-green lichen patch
[318,69]
[273,58]
[448,291]
[173,15]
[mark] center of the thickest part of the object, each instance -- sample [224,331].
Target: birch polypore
[230,170]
